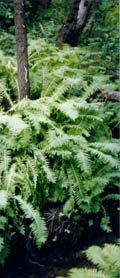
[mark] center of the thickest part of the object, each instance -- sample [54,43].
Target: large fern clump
[54,149]
[106,259]
[48,154]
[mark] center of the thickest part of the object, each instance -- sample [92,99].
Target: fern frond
[105,158]
[37,226]
[78,192]
[5,159]
[4,94]
[105,223]
[83,161]
[106,258]
[23,178]
[107,146]
[87,273]
[94,254]
[68,108]
[3,221]
[111,253]
[33,171]
[1,243]
[44,164]
[4,253]
[112,196]
[10,178]
[16,125]
[99,83]
[3,199]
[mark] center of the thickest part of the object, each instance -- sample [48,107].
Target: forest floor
[51,261]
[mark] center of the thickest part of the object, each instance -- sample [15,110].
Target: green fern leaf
[38,226]
[87,273]
[104,157]
[94,254]
[83,161]
[1,243]
[3,199]
[68,108]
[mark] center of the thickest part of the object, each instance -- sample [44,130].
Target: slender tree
[75,22]
[21,49]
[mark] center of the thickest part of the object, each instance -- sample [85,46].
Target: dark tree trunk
[21,48]
[75,22]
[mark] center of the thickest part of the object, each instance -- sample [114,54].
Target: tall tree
[75,22]
[21,48]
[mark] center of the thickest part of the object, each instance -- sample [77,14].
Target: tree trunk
[75,22]
[111,95]
[21,48]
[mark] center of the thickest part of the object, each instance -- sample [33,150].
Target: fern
[106,259]
[57,147]
[83,161]
[4,94]
[1,244]
[32,141]
[37,226]
[87,273]
[3,199]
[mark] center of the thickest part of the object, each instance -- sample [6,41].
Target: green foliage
[7,43]
[57,148]
[86,273]
[46,23]
[55,71]
[6,14]
[50,19]
[37,226]
[54,149]
[104,34]
[106,259]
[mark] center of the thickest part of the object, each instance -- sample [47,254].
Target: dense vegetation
[58,149]
[105,258]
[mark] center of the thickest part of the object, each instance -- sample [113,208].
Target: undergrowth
[106,260]
[46,23]
[57,71]
[56,147]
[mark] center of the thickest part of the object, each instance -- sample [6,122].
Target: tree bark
[21,49]
[111,95]
[75,22]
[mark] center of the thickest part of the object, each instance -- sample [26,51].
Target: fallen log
[111,95]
